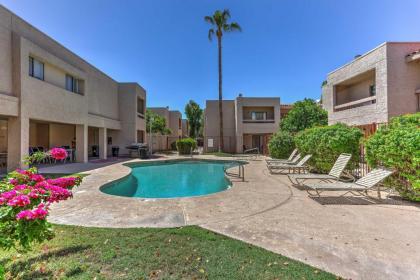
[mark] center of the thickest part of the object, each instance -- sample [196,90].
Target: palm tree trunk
[221,142]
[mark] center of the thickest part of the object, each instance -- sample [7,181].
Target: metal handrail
[241,172]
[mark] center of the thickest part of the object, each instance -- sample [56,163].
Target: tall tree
[194,113]
[304,114]
[220,25]
[156,123]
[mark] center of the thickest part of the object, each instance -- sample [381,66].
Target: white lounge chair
[294,161]
[334,174]
[358,188]
[289,168]
[292,155]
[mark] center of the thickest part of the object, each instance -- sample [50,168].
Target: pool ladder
[241,172]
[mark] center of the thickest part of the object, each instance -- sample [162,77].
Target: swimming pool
[172,179]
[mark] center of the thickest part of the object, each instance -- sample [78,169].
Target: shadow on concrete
[352,200]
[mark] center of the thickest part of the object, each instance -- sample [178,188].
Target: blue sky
[286,48]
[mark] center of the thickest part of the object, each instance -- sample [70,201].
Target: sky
[286,48]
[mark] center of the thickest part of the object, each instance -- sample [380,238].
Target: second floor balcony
[258,114]
[355,92]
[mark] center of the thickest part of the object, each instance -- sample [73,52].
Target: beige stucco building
[185,128]
[51,97]
[173,119]
[248,122]
[375,86]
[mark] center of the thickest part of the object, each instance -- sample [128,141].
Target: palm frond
[234,26]
[226,14]
[209,19]
[211,34]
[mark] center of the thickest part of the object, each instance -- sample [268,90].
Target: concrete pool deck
[353,238]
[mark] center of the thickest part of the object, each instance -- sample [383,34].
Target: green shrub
[186,146]
[173,146]
[326,143]
[281,144]
[397,146]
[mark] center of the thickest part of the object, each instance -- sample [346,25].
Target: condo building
[375,86]
[50,97]
[173,120]
[248,123]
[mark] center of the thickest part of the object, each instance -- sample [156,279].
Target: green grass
[180,253]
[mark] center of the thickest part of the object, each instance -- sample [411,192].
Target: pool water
[172,179]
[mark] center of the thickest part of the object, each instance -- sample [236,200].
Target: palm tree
[219,21]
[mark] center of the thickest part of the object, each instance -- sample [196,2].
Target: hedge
[186,146]
[281,144]
[326,143]
[397,146]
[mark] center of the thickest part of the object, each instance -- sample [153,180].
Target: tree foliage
[281,144]
[326,143]
[397,146]
[186,146]
[304,114]
[194,114]
[157,122]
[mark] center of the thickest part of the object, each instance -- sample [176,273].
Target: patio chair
[279,162]
[250,154]
[358,188]
[289,168]
[292,155]
[334,175]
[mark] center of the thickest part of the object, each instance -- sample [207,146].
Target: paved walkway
[353,238]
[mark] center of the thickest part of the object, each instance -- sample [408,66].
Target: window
[140,106]
[372,90]
[179,124]
[73,84]
[36,68]
[258,116]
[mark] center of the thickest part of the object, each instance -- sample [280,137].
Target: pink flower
[23,172]
[58,153]
[63,182]
[57,193]
[9,195]
[39,213]
[36,177]
[25,215]
[13,181]
[20,187]
[20,200]
[2,200]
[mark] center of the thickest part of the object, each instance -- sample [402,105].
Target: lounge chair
[292,155]
[358,188]
[289,168]
[294,161]
[334,174]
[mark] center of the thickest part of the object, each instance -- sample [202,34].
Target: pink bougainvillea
[38,213]
[19,200]
[58,153]
[25,197]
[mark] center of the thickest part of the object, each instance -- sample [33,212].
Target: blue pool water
[172,179]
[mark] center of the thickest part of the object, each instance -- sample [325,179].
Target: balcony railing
[258,121]
[356,103]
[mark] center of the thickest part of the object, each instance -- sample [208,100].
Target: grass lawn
[180,253]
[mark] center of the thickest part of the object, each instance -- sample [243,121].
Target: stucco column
[82,143]
[17,142]
[239,143]
[103,143]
